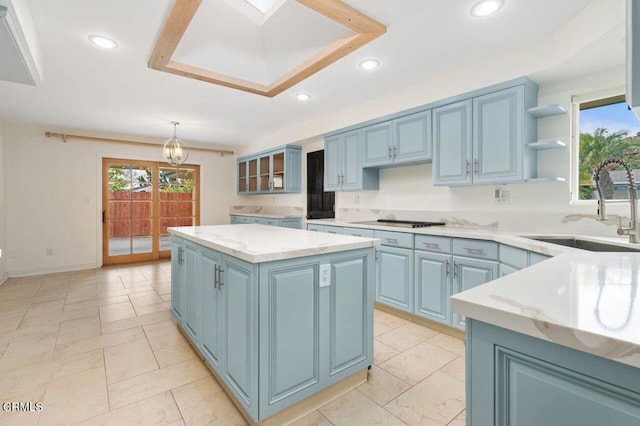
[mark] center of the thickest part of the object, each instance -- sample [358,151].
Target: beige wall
[3,246]
[53,196]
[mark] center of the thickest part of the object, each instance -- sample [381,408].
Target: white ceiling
[113,91]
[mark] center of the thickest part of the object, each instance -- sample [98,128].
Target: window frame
[576,100]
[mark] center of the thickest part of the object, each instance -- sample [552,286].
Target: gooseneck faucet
[632,230]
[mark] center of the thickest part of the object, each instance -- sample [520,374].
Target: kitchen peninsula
[282,317]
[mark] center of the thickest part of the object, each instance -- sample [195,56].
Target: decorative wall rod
[65,137]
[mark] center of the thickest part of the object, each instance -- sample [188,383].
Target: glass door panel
[178,201]
[278,172]
[253,175]
[242,176]
[265,173]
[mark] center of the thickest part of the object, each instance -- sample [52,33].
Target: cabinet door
[394,277]
[290,312]
[332,163]
[412,138]
[265,168]
[242,176]
[192,291]
[497,136]
[240,291]
[506,270]
[212,308]
[469,273]
[452,144]
[377,149]
[279,173]
[352,161]
[432,286]
[177,279]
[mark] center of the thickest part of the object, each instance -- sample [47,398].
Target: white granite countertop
[580,299]
[261,243]
[585,301]
[268,215]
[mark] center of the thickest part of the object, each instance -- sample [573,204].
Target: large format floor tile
[101,347]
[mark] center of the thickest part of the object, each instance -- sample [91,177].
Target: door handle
[220,283]
[455,270]
[390,152]
[394,151]
[215,276]
[467,167]
[103,216]
[475,166]
[447,268]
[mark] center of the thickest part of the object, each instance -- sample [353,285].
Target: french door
[140,200]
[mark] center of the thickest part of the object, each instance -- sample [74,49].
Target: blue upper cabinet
[343,164]
[404,140]
[275,171]
[483,139]
[497,140]
[452,145]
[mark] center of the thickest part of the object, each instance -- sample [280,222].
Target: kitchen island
[283,317]
[557,343]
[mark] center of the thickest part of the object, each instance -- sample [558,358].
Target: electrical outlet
[501,196]
[325,275]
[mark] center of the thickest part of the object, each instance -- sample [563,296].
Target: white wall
[3,259]
[53,196]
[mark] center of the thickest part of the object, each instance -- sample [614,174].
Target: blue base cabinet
[514,379]
[394,277]
[272,332]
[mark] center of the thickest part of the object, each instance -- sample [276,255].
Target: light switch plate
[325,275]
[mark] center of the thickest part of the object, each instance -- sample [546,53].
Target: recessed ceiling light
[369,64]
[303,97]
[103,42]
[486,7]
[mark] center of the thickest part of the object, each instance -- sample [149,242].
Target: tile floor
[100,347]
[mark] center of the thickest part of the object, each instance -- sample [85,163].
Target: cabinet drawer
[435,244]
[475,248]
[395,239]
[314,227]
[333,229]
[358,232]
[515,257]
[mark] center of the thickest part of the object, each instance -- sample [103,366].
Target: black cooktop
[408,223]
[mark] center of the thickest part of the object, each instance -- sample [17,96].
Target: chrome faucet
[632,230]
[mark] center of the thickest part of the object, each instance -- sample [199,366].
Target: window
[606,128]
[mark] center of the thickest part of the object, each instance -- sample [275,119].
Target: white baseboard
[54,270]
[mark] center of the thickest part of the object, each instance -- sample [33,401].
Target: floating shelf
[545,180]
[546,110]
[547,144]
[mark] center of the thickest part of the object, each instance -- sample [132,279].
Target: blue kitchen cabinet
[305,335]
[178,279]
[239,285]
[278,170]
[343,169]
[394,277]
[293,223]
[514,379]
[483,139]
[497,142]
[192,316]
[433,286]
[404,140]
[452,144]
[469,273]
[327,324]
[212,308]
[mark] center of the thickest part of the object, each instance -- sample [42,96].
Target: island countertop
[260,243]
[586,301]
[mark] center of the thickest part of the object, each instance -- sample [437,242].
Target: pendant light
[175,150]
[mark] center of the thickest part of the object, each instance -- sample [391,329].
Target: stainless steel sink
[584,244]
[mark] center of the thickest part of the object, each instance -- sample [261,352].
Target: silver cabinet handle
[475,166]
[447,268]
[475,250]
[220,283]
[215,276]
[394,151]
[391,240]
[180,259]
[455,271]
[431,245]
[390,152]
[467,167]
